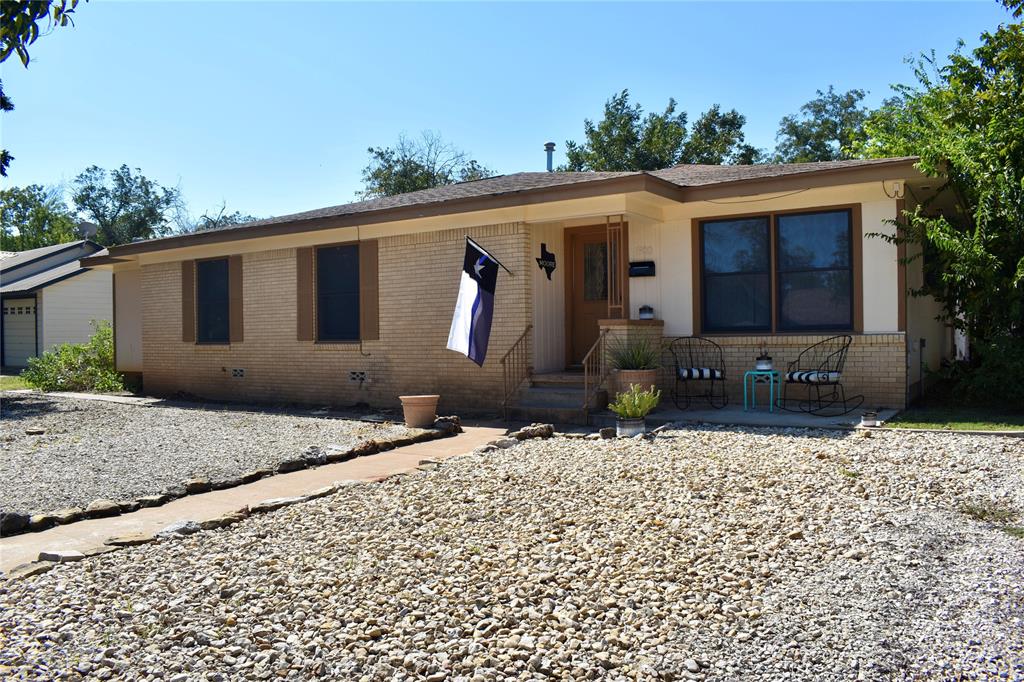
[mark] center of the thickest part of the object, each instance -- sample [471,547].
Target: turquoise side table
[761,376]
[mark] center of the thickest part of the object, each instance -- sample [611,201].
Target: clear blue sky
[270,107]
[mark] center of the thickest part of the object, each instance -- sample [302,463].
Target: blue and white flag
[471,324]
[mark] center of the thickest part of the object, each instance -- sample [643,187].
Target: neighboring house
[49,298]
[353,303]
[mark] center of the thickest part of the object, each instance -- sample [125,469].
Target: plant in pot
[632,407]
[637,360]
[764,361]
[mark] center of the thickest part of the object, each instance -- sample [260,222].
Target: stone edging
[959,432]
[16,524]
[443,427]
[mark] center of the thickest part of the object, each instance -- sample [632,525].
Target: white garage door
[19,332]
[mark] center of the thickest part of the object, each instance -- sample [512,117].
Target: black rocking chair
[819,368]
[698,359]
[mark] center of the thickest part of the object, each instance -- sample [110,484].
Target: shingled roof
[509,190]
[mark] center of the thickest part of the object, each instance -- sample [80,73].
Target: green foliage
[20,19]
[77,367]
[19,28]
[626,140]
[987,510]
[826,129]
[34,216]
[127,207]
[635,403]
[965,119]
[994,377]
[637,352]
[413,165]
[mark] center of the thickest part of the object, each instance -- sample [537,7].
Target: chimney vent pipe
[549,147]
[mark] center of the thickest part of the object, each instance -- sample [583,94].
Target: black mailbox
[642,268]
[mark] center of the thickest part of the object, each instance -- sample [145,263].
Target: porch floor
[734,415]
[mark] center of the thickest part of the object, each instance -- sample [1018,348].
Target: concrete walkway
[91,534]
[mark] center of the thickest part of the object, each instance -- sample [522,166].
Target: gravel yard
[707,554]
[92,450]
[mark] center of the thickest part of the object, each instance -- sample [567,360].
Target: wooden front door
[588,289]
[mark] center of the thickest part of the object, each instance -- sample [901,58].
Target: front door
[588,289]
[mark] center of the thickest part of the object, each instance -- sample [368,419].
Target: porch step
[561,379]
[526,412]
[555,397]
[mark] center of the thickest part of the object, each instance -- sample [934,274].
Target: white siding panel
[881,268]
[548,299]
[128,321]
[19,319]
[69,308]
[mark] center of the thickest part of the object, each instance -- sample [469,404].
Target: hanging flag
[471,324]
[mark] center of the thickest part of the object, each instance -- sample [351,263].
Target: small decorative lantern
[646,312]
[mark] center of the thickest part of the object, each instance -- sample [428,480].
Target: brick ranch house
[353,303]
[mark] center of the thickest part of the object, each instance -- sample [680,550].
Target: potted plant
[764,361]
[637,360]
[420,411]
[632,407]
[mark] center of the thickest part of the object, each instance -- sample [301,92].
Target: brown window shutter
[188,301]
[236,333]
[369,304]
[304,289]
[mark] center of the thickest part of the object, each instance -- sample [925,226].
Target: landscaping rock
[130,540]
[276,503]
[61,556]
[255,475]
[152,500]
[293,464]
[608,432]
[11,523]
[30,569]
[39,522]
[194,486]
[101,508]
[448,425]
[179,528]
[69,515]
[504,443]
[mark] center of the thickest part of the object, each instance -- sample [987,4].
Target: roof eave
[641,182]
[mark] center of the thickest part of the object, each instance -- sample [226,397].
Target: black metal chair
[816,368]
[696,359]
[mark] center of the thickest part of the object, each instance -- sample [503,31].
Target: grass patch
[1014,531]
[12,383]
[988,511]
[849,473]
[950,418]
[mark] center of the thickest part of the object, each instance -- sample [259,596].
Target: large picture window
[808,255]
[337,293]
[815,283]
[212,301]
[736,266]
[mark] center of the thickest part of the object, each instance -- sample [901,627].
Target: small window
[337,293]
[736,262]
[212,317]
[814,271]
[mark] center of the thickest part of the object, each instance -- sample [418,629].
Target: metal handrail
[515,367]
[595,371]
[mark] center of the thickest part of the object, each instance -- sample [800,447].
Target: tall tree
[965,119]
[825,129]
[19,28]
[34,216]
[626,140]
[125,206]
[415,164]
[210,220]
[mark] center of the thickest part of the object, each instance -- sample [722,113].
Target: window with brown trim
[785,272]
[212,301]
[337,293]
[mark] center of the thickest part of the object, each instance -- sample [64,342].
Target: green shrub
[635,353]
[78,367]
[993,378]
[635,403]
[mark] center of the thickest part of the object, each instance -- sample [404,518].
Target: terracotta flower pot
[420,410]
[646,378]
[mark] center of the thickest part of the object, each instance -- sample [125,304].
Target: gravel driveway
[711,554]
[91,449]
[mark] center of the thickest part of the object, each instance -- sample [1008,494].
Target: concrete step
[556,396]
[574,379]
[546,413]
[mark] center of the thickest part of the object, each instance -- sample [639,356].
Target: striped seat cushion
[812,377]
[688,373]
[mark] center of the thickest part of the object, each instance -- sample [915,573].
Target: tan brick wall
[875,365]
[419,280]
